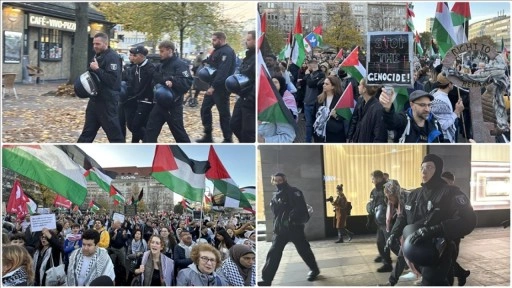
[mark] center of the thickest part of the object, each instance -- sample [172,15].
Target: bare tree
[80,42]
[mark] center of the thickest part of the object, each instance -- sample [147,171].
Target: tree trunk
[81,42]
[182,33]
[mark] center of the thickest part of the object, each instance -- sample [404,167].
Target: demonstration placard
[118,216]
[389,58]
[38,222]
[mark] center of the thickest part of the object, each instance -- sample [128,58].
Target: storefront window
[50,44]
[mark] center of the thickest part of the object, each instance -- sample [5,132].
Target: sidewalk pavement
[39,116]
[485,252]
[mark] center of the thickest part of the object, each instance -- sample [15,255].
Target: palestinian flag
[339,55]
[250,193]
[271,107]
[442,30]
[223,183]
[136,201]
[409,25]
[352,66]
[461,13]
[49,166]
[176,171]
[62,202]
[104,181]
[186,205]
[286,50]
[93,206]
[346,103]
[298,53]
[31,204]
[419,49]
[318,34]
[117,196]
[402,97]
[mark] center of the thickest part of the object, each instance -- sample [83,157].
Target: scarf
[42,270]
[235,253]
[96,267]
[17,277]
[166,267]
[186,248]
[149,269]
[136,245]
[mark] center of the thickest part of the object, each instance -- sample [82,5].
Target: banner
[389,58]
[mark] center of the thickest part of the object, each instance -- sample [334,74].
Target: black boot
[207,137]
[350,234]
[462,278]
[313,274]
[385,268]
[227,140]
[340,240]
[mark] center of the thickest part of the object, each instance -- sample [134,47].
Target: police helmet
[380,214]
[236,83]
[123,95]
[206,74]
[86,85]
[422,253]
[164,96]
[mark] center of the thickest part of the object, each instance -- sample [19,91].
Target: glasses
[423,105]
[206,260]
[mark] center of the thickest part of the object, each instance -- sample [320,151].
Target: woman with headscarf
[239,269]
[205,260]
[17,267]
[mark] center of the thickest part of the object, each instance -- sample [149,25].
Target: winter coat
[340,210]
[191,276]
[368,126]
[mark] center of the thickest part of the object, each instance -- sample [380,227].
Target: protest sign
[118,216]
[38,222]
[389,58]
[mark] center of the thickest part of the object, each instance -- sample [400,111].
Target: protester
[156,269]
[331,126]
[48,254]
[17,267]
[136,249]
[240,268]
[223,243]
[205,261]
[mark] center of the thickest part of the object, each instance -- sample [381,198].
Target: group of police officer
[145,96]
[431,221]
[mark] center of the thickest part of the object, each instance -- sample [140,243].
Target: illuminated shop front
[42,35]
[481,171]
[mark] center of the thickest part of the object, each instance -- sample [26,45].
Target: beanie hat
[438,162]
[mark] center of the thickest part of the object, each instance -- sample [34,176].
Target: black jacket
[313,86]
[335,127]
[175,70]
[289,208]
[141,77]
[110,71]
[430,133]
[367,126]
[248,68]
[377,205]
[224,60]
[450,208]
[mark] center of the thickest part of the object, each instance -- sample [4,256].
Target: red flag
[17,201]
[264,23]
[417,39]
[207,200]
[62,201]
[346,102]
[318,30]
[339,55]
[75,209]
[298,24]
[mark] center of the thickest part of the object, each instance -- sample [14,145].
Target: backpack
[349,207]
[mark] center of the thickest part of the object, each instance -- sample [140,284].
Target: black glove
[369,222]
[426,233]
[389,242]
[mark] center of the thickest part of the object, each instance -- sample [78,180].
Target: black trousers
[438,275]
[174,119]
[126,114]
[382,236]
[298,238]
[243,121]
[220,98]
[137,124]
[102,114]
[398,269]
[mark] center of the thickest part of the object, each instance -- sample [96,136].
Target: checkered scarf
[96,267]
[18,277]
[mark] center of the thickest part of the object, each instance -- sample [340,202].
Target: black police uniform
[177,71]
[437,203]
[142,89]
[102,110]
[290,216]
[377,207]
[127,100]
[243,121]
[223,59]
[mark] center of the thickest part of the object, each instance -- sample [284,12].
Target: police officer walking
[290,216]
[376,209]
[435,215]
[243,122]
[223,59]
[174,74]
[102,109]
[141,75]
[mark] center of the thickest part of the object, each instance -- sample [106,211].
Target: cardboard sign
[389,58]
[38,222]
[118,216]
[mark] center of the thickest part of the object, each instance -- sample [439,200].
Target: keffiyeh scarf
[18,277]
[96,267]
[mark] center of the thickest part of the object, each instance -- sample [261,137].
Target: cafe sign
[51,23]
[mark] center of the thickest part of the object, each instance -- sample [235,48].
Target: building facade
[497,28]
[42,34]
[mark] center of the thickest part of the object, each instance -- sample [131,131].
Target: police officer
[142,89]
[174,74]
[290,216]
[223,59]
[444,213]
[102,110]
[376,209]
[127,101]
[243,121]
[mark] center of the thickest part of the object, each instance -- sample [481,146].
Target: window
[50,44]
